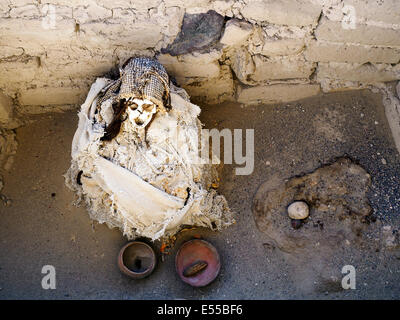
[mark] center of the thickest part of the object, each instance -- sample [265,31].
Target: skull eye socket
[132,105]
[148,107]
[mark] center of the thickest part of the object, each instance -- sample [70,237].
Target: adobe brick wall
[266,51]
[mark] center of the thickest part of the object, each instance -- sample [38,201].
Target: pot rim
[129,272]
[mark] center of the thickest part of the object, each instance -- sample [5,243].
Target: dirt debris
[339,207]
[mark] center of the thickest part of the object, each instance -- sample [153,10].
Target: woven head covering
[144,78]
[141,78]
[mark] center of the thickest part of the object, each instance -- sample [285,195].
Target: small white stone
[298,210]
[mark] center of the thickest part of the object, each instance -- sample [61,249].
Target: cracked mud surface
[42,227]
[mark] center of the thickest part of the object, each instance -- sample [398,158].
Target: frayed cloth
[145,189]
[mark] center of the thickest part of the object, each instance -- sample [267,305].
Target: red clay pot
[196,250]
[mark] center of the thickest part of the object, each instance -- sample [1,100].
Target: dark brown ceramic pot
[136,260]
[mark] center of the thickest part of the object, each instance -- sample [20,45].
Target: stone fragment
[323,51]
[6,108]
[84,14]
[363,33]
[242,65]
[282,47]
[199,32]
[30,11]
[139,35]
[236,32]
[298,210]
[386,11]
[284,12]
[277,41]
[192,65]
[280,68]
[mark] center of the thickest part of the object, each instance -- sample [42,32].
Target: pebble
[298,210]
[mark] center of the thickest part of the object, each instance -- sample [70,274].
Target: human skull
[140,112]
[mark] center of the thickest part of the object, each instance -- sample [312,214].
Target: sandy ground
[42,227]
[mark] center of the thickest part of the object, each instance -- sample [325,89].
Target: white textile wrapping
[145,189]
